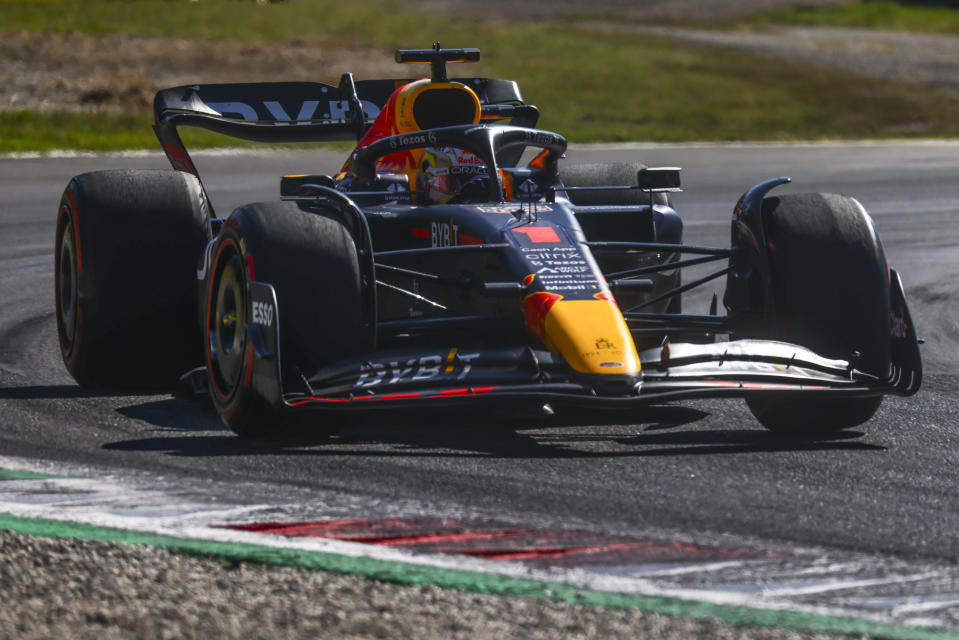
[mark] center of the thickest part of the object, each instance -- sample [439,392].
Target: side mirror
[659,179]
[291,185]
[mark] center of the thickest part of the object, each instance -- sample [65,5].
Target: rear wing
[302,111]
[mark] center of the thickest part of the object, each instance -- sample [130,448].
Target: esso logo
[263,313]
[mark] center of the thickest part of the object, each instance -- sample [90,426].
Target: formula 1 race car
[455,259]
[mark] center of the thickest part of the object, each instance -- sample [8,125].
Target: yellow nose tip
[592,336]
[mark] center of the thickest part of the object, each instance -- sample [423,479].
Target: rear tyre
[604,175]
[312,263]
[624,173]
[831,294]
[125,276]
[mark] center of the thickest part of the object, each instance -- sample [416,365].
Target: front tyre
[311,261]
[830,286]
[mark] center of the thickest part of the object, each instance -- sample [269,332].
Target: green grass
[29,131]
[590,85]
[894,16]
[22,131]
[324,20]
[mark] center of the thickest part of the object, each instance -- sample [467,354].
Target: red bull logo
[535,307]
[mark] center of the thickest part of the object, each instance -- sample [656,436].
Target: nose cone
[591,335]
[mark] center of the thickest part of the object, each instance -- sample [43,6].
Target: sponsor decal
[535,307]
[542,137]
[464,158]
[610,364]
[610,351]
[450,366]
[564,269]
[603,343]
[560,268]
[263,313]
[467,170]
[444,234]
[528,280]
[397,192]
[539,235]
[419,138]
[554,256]
[509,208]
[898,328]
[530,191]
[307,110]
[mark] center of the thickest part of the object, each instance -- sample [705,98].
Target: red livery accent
[607,296]
[76,229]
[248,376]
[397,396]
[209,310]
[462,392]
[535,307]
[249,265]
[179,158]
[539,234]
[450,393]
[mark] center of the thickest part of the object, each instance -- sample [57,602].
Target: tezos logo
[422,138]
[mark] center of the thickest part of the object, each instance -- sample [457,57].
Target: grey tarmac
[703,471]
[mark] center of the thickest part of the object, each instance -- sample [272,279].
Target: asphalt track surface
[703,471]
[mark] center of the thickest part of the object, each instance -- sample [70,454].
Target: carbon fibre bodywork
[516,294]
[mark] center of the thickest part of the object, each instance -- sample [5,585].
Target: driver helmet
[447,174]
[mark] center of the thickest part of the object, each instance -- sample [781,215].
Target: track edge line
[472,581]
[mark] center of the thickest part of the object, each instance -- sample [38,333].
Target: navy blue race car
[457,259]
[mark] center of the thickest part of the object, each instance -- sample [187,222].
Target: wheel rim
[227,327]
[67,286]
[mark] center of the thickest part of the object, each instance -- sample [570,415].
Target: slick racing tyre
[831,293]
[604,175]
[311,261]
[126,250]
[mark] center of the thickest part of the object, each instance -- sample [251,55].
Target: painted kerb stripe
[475,582]
[6,474]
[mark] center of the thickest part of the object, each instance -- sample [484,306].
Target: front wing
[454,376]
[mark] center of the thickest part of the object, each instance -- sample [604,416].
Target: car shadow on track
[182,412]
[729,441]
[70,391]
[657,431]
